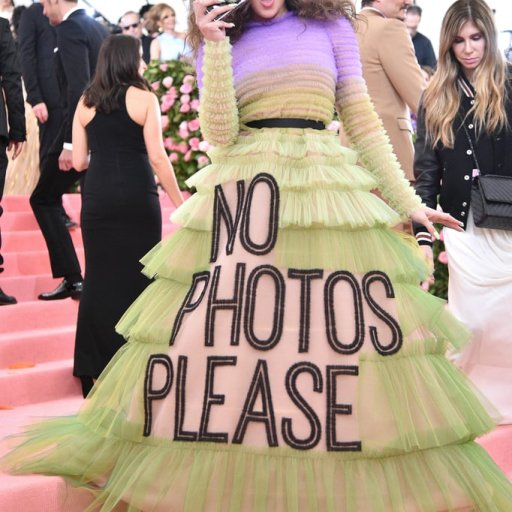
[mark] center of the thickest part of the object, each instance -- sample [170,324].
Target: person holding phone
[285,358]
[464,130]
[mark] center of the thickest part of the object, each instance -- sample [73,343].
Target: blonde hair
[154,15]
[317,9]
[442,97]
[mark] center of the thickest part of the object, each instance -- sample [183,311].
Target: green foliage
[175,85]
[440,286]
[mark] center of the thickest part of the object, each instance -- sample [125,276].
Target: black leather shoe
[6,300]
[63,291]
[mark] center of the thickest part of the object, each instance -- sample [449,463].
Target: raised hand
[212,30]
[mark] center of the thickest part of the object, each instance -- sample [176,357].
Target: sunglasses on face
[133,25]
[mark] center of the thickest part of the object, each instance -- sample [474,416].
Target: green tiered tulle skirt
[388,430]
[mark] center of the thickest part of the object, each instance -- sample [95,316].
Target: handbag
[491,197]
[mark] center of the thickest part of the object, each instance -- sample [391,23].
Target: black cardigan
[447,173]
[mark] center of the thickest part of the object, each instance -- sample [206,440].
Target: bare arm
[156,151]
[154,49]
[80,144]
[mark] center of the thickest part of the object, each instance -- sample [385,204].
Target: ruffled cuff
[218,111]
[366,132]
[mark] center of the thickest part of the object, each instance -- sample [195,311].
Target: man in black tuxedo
[12,120]
[79,38]
[36,41]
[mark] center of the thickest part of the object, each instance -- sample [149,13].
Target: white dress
[480,294]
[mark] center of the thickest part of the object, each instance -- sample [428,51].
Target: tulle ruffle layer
[185,477]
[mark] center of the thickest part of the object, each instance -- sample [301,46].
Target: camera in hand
[235,3]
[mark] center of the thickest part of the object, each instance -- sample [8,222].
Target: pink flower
[193,125]
[183,132]
[194,104]
[194,143]
[185,98]
[167,81]
[165,106]
[186,88]
[443,258]
[173,157]
[185,108]
[204,146]
[188,79]
[202,160]
[155,85]
[168,143]
[183,147]
[188,156]
[164,67]
[168,100]
[165,123]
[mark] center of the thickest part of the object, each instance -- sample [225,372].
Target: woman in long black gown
[118,121]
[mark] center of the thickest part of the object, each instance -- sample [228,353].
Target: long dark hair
[116,70]
[307,9]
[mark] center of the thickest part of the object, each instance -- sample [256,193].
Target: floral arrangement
[440,285]
[175,85]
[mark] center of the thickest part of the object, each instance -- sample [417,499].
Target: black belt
[286,123]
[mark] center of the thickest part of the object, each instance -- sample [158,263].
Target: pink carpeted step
[26,316]
[42,383]
[27,288]
[14,420]
[16,204]
[31,262]
[19,203]
[20,241]
[37,346]
[19,221]
[34,493]
[498,444]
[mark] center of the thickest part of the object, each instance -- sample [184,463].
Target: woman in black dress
[118,122]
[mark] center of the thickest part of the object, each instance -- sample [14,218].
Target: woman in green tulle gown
[285,359]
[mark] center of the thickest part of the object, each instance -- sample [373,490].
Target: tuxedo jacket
[78,43]
[36,42]
[394,78]
[12,105]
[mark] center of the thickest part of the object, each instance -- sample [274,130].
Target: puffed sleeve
[218,111]
[363,126]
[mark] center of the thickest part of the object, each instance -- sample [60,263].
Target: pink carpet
[36,350]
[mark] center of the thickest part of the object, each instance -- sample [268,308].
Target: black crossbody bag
[491,197]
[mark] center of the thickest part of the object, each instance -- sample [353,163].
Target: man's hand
[66,160]
[41,112]
[16,146]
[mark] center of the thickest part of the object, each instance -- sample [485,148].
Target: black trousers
[3,171]
[49,133]
[46,202]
